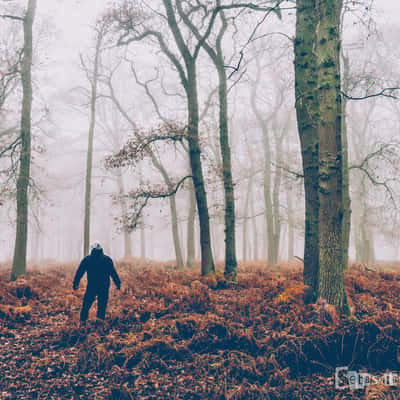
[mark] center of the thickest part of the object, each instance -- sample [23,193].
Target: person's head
[96,248]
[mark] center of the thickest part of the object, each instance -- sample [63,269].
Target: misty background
[64,36]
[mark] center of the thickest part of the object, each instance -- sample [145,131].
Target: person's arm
[79,273]
[114,275]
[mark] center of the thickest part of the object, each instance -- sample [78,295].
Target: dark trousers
[89,298]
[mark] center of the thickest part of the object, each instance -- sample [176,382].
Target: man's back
[99,269]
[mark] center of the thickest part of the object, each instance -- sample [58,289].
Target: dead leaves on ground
[174,335]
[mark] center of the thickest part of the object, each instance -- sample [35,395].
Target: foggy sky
[68,32]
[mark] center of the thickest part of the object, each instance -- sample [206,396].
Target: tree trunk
[254,225]
[142,242]
[19,261]
[190,228]
[269,193]
[269,210]
[175,232]
[245,222]
[346,174]
[331,278]
[173,210]
[89,157]
[306,90]
[207,261]
[276,198]
[124,210]
[290,225]
[230,240]
[189,83]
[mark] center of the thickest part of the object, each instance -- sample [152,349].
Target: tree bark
[230,233]
[331,278]
[207,261]
[346,172]
[191,228]
[306,91]
[290,225]
[20,249]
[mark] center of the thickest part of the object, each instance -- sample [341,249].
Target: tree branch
[386,92]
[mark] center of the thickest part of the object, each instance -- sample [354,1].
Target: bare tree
[187,74]
[154,160]
[19,261]
[92,74]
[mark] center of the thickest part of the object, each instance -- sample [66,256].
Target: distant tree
[155,160]
[92,74]
[271,180]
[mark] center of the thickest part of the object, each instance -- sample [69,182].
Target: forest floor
[171,335]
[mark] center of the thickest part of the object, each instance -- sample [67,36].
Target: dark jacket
[99,269]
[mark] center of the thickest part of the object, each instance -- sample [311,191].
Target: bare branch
[13,17]
[141,199]
[386,92]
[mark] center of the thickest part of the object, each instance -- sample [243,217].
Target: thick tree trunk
[19,261]
[331,279]
[89,156]
[306,89]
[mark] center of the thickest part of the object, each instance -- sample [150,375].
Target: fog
[64,33]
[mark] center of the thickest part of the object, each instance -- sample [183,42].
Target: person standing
[99,268]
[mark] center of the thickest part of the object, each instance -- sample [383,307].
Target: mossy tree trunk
[306,89]
[20,249]
[346,172]
[331,285]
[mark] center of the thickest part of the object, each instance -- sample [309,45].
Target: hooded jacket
[99,269]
